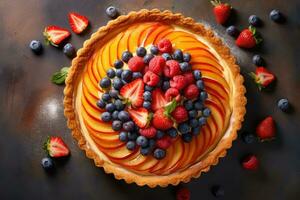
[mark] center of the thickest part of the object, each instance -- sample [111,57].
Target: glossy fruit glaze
[180,155]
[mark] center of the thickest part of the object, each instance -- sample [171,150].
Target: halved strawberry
[140,116]
[158,99]
[262,77]
[56,147]
[55,35]
[133,92]
[78,22]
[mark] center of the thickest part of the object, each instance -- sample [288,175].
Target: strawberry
[221,11]
[178,82]
[161,120]
[165,46]
[262,77]
[183,194]
[250,162]
[172,68]
[191,91]
[189,78]
[55,35]
[180,114]
[151,78]
[157,64]
[146,68]
[140,116]
[149,132]
[136,64]
[266,129]
[78,22]
[248,38]
[56,147]
[133,92]
[164,142]
[158,99]
[172,93]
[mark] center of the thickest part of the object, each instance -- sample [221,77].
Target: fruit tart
[154,98]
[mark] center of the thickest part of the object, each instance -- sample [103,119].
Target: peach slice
[105,57]
[108,145]
[162,163]
[118,153]
[123,44]
[205,60]
[113,53]
[138,160]
[220,79]
[154,32]
[163,34]
[135,40]
[149,163]
[206,68]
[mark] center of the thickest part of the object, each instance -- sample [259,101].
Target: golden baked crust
[82,58]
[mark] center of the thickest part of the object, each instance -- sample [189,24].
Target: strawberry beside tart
[154,98]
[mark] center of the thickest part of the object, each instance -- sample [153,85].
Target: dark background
[31,106]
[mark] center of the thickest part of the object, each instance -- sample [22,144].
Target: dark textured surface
[31,107]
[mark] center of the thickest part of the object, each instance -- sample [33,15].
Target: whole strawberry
[266,129]
[221,10]
[162,117]
[56,147]
[248,38]
[262,77]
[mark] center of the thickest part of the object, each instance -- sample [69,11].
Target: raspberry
[183,194]
[157,64]
[172,68]
[189,77]
[165,46]
[149,132]
[146,68]
[191,91]
[180,114]
[151,79]
[172,93]
[136,64]
[178,82]
[164,142]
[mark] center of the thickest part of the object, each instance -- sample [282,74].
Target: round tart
[185,157]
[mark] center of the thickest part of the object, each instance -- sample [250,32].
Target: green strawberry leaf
[59,77]
[170,107]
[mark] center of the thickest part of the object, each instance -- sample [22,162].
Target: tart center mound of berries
[152,97]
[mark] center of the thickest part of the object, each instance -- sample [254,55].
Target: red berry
[248,38]
[149,132]
[266,129]
[180,114]
[165,142]
[165,46]
[183,194]
[161,121]
[151,78]
[146,68]
[136,64]
[250,162]
[262,77]
[157,64]
[178,82]
[56,147]
[189,77]
[172,68]
[172,93]
[222,11]
[191,91]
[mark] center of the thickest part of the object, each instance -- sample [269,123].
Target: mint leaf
[59,77]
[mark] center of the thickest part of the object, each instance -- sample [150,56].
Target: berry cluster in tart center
[152,97]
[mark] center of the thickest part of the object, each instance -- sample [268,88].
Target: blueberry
[115,115]
[147,58]
[200,84]
[202,121]
[159,134]
[165,85]
[184,128]
[154,50]
[197,74]
[112,12]
[178,55]
[145,151]
[128,126]
[159,84]
[147,96]
[106,116]
[117,83]
[172,132]
[185,66]
[114,93]
[232,31]
[206,112]
[47,163]
[283,104]
[258,60]
[187,137]
[105,82]
[123,116]
[248,138]
[196,131]
[141,52]
[119,105]
[132,136]
[126,55]
[159,153]
[186,57]
[106,97]
[198,105]
[110,107]
[126,75]
[188,104]
[194,123]
[118,64]
[276,16]
[69,50]
[193,113]
[123,136]
[254,20]
[148,88]
[136,75]
[166,56]
[36,46]
[147,104]
[203,96]
[119,73]
[217,191]
[116,125]
[110,73]
[101,104]
[130,145]
[152,143]
[142,141]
